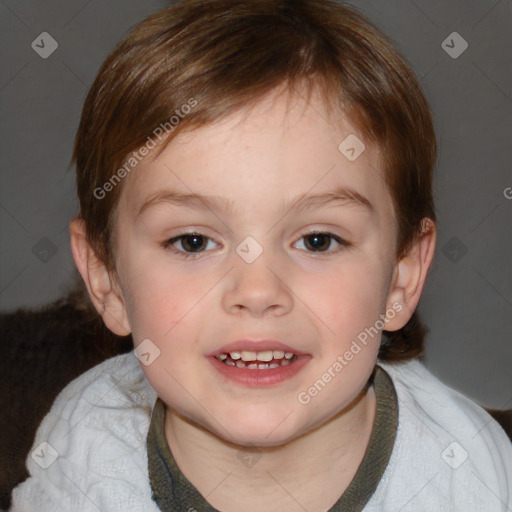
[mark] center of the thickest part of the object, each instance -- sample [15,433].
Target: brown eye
[189,245]
[322,242]
[318,241]
[193,243]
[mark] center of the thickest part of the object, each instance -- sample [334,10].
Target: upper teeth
[265,355]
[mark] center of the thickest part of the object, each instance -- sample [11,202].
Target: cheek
[349,301]
[158,301]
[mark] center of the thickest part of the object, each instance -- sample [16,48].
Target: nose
[258,288]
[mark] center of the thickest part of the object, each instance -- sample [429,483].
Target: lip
[260,378]
[256,346]
[255,378]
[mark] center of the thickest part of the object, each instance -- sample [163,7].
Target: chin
[260,430]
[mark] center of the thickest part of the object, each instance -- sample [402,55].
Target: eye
[318,241]
[192,244]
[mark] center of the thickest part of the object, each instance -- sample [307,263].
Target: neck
[311,472]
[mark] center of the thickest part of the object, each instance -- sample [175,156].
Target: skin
[316,301]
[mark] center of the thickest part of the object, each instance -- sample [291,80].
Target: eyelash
[169,244]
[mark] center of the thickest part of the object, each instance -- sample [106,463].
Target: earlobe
[106,299]
[410,276]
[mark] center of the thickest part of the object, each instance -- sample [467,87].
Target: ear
[100,284]
[409,277]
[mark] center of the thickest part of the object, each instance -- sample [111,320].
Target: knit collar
[173,491]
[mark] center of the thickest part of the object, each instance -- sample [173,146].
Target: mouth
[258,364]
[262,360]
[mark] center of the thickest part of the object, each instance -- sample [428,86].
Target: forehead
[279,149]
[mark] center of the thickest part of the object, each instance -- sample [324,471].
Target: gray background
[467,303]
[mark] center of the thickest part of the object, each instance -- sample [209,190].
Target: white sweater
[90,452]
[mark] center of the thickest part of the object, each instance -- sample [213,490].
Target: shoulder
[443,409]
[91,447]
[449,453]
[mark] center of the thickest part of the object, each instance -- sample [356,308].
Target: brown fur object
[40,353]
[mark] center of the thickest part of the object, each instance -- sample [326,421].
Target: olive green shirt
[173,492]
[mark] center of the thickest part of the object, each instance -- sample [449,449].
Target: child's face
[316,303]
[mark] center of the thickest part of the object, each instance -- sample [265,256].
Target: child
[256,210]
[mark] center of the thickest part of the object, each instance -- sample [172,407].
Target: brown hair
[221,55]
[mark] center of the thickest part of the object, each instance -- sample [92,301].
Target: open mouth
[257,364]
[263,360]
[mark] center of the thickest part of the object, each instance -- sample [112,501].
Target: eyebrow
[340,196]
